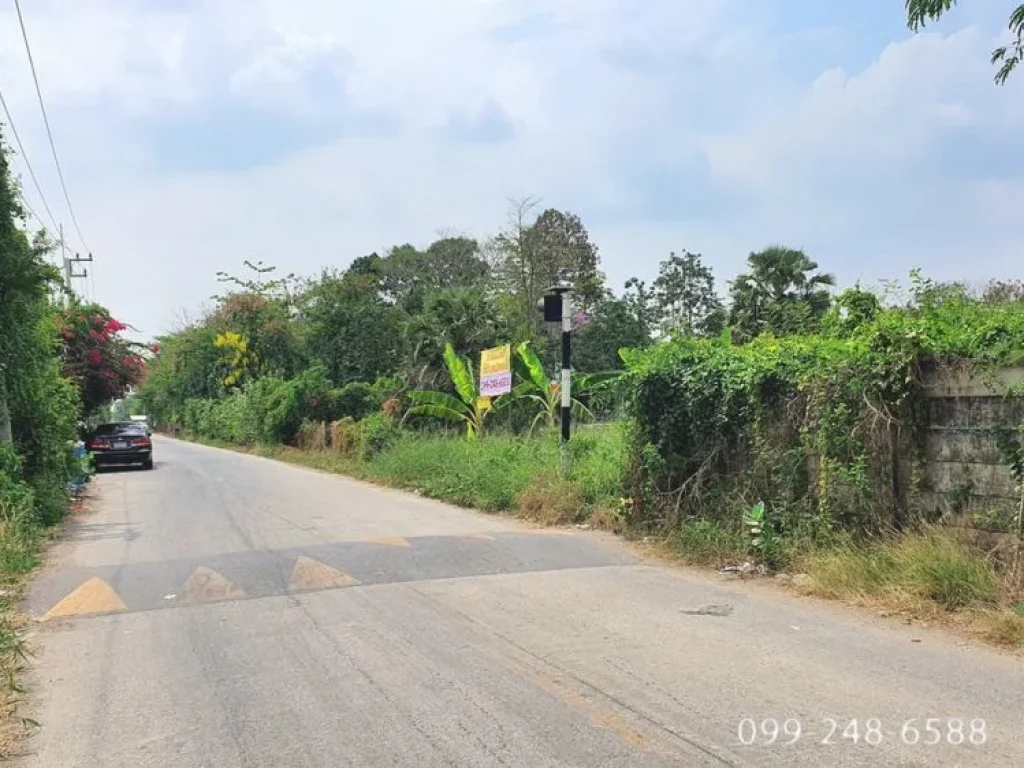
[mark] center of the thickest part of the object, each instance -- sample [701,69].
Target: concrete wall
[961,473]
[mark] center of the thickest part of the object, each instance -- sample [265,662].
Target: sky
[195,134]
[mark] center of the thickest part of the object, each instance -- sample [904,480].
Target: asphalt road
[225,610]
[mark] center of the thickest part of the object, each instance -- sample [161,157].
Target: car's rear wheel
[148,463]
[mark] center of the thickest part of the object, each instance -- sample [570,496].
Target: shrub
[551,500]
[345,436]
[13,491]
[805,424]
[312,435]
[356,400]
[377,434]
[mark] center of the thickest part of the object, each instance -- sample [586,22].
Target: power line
[28,165]
[28,208]
[46,122]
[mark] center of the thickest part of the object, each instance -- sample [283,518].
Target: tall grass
[933,565]
[493,473]
[930,574]
[496,473]
[21,540]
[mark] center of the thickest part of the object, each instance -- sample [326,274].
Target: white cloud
[853,165]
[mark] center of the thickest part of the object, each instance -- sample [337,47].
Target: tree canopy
[1008,57]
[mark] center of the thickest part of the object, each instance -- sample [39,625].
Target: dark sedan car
[121,444]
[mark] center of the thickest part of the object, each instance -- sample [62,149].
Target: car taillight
[140,442]
[99,444]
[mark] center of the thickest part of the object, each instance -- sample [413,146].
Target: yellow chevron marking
[205,585]
[390,541]
[92,596]
[312,574]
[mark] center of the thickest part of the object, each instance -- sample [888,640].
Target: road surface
[225,610]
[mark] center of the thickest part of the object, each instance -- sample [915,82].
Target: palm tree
[465,407]
[783,292]
[464,318]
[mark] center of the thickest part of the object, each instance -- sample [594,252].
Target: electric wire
[46,122]
[28,166]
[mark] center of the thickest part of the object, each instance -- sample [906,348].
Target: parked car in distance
[121,444]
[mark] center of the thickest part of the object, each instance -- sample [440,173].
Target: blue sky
[308,132]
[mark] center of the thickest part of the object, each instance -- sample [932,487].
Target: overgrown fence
[907,418]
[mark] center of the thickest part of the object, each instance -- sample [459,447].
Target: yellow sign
[496,371]
[496,360]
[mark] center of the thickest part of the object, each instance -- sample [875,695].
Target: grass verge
[931,575]
[21,545]
[496,473]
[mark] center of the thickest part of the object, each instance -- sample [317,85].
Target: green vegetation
[60,361]
[465,407]
[1008,57]
[807,425]
[931,566]
[784,422]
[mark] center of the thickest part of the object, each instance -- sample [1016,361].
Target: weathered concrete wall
[960,475]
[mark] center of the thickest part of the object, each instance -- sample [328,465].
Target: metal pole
[67,262]
[566,386]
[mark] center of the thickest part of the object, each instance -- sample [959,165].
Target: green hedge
[271,409]
[808,425]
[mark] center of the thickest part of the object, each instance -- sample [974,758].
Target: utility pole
[69,264]
[557,306]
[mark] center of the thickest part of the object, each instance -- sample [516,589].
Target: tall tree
[641,303]
[534,252]
[260,310]
[562,242]
[685,296]
[783,292]
[456,262]
[408,274]
[920,12]
[612,326]
[349,328]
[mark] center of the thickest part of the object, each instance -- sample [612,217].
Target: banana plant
[545,392]
[465,407]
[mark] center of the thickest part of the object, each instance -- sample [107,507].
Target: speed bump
[309,574]
[92,596]
[390,541]
[205,585]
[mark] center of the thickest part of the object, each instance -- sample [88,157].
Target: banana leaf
[533,367]
[584,382]
[461,372]
[440,412]
[440,400]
